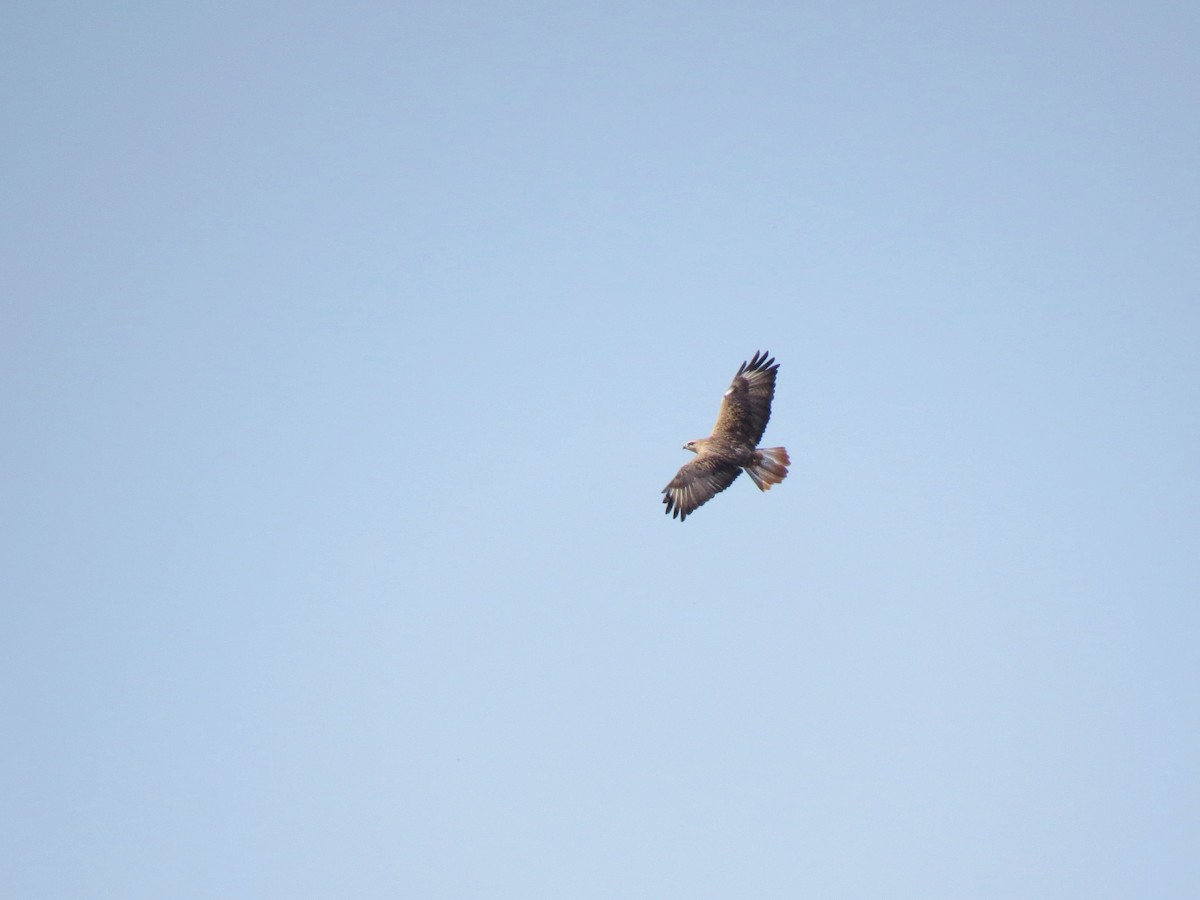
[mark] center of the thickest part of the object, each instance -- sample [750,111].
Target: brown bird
[733,445]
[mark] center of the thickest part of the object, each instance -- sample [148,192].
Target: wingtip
[674,510]
[760,361]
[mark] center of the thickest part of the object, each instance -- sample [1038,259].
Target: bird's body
[733,446]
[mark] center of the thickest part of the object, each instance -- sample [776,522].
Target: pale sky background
[346,349]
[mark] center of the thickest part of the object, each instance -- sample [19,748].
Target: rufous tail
[768,466]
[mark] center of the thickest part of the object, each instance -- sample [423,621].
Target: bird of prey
[733,445]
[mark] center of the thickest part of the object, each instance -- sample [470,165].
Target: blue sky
[347,348]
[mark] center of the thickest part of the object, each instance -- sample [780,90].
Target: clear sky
[346,349]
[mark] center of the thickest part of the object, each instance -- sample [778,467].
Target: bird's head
[696,446]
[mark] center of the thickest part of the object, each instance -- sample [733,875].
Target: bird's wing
[697,483]
[746,407]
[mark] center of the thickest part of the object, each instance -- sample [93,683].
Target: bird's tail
[768,466]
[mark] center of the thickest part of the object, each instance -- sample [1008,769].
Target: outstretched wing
[697,483]
[746,408]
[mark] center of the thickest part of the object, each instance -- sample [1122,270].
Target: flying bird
[733,445]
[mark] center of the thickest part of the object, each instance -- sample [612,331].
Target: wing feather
[697,483]
[746,406]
